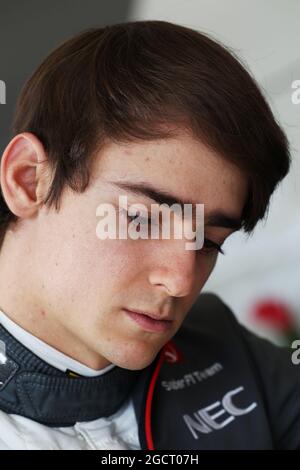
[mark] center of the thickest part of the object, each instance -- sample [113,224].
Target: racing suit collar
[36,390]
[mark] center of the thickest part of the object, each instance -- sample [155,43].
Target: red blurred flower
[275,313]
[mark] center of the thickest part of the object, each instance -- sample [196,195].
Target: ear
[25,175]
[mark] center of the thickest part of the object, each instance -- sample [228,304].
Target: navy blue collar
[32,388]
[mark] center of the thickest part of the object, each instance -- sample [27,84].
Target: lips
[154,316]
[148,323]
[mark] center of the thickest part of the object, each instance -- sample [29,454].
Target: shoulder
[211,329]
[210,317]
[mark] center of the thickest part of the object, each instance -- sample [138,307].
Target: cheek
[102,266]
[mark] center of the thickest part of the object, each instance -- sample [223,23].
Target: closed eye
[208,246]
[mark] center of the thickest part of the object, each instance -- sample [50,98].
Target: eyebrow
[215,219]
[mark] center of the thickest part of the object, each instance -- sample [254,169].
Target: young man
[106,343]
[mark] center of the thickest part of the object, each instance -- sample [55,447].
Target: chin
[134,359]
[134,365]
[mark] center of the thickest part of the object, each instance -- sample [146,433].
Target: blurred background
[259,276]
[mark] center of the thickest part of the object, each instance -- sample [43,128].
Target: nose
[174,268]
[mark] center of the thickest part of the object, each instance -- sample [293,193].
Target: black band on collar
[32,388]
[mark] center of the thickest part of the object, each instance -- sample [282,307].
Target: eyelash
[213,247]
[143,219]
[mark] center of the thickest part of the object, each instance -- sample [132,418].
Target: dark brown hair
[125,81]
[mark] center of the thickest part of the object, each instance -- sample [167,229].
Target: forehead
[180,165]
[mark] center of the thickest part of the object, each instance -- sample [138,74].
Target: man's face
[84,283]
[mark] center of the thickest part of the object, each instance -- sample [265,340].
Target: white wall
[266,35]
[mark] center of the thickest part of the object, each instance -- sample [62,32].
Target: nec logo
[205,420]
